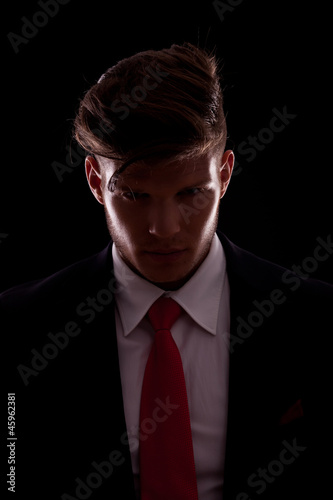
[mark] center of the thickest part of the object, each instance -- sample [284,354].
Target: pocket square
[295,411]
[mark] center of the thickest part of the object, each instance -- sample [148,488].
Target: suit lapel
[261,385]
[246,408]
[106,388]
[91,384]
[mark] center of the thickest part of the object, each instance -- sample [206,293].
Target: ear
[227,164]
[93,173]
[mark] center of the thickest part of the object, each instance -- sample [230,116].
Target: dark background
[273,56]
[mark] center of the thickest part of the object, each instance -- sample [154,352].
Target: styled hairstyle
[165,103]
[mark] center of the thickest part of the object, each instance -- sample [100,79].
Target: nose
[164,219]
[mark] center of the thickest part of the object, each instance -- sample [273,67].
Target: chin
[162,278]
[167,281]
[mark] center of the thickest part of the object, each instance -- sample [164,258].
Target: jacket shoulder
[265,275]
[77,278]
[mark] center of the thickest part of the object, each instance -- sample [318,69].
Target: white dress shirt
[202,339]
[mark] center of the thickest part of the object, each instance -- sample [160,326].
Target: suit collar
[195,296]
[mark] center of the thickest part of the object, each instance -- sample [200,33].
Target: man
[237,411]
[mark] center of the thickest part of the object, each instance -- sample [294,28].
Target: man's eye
[132,196]
[192,191]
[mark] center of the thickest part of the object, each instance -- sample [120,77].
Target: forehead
[204,167]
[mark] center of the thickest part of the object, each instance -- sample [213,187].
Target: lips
[166,256]
[166,251]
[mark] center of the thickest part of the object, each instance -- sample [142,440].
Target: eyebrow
[200,182]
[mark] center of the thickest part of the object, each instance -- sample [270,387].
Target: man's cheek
[119,215]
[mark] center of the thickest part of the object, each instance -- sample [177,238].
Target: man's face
[162,217]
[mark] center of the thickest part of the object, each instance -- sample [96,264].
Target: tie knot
[163,313]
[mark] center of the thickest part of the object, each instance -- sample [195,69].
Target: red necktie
[167,470]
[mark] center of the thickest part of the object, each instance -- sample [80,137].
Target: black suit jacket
[61,361]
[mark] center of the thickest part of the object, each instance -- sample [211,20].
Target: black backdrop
[279,200]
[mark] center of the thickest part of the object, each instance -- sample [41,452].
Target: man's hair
[165,103]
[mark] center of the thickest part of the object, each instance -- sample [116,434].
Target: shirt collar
[199,297]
